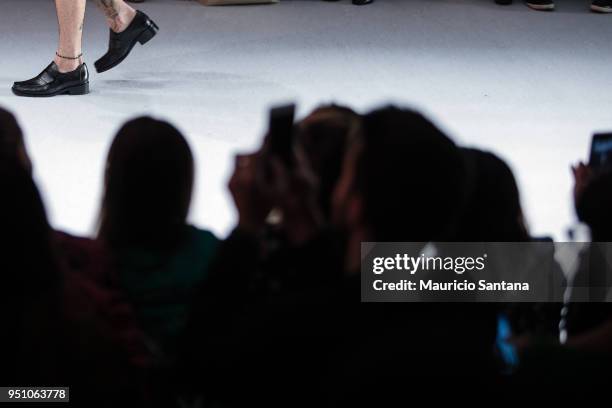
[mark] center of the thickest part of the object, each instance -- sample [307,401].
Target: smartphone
[601,152]
[281,131]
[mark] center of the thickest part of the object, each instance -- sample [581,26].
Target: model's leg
[67,74]
[118,14]
[70,16]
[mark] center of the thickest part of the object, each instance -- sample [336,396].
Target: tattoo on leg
[109,8]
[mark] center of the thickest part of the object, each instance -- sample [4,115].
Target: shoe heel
[148,34]
[79,90]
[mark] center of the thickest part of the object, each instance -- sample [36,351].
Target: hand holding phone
[281,133]
[601,152]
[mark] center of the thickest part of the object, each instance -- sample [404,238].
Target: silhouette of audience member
[592,195]
[589,325]
[274,280]
[85,293]
[494,214]
[160,258]
[84,257]
[266,303]
[581,365]
[31,288]
[323,137]
[300,195]
[47,341]
[404,181]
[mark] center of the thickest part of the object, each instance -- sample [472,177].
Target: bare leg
[70,16]
[118,14]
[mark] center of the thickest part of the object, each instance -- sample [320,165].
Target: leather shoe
[141,30]
[51,82]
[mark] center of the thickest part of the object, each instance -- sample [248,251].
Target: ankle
[65,64]
[123,19]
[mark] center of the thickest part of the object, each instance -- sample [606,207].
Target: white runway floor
[530,86]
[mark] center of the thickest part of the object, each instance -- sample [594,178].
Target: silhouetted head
[12,145]
[28,261]
[148,186]
[324,136]
[403,181]
[493,211]
[593,207]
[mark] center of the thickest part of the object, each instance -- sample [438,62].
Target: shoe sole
[144,37]
[73,90]
[599,9]
[541,7]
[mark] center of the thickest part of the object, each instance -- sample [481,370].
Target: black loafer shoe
[140,30]
[602,6]
[541,5]
[51,82]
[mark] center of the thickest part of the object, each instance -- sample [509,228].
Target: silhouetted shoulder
[204,239]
